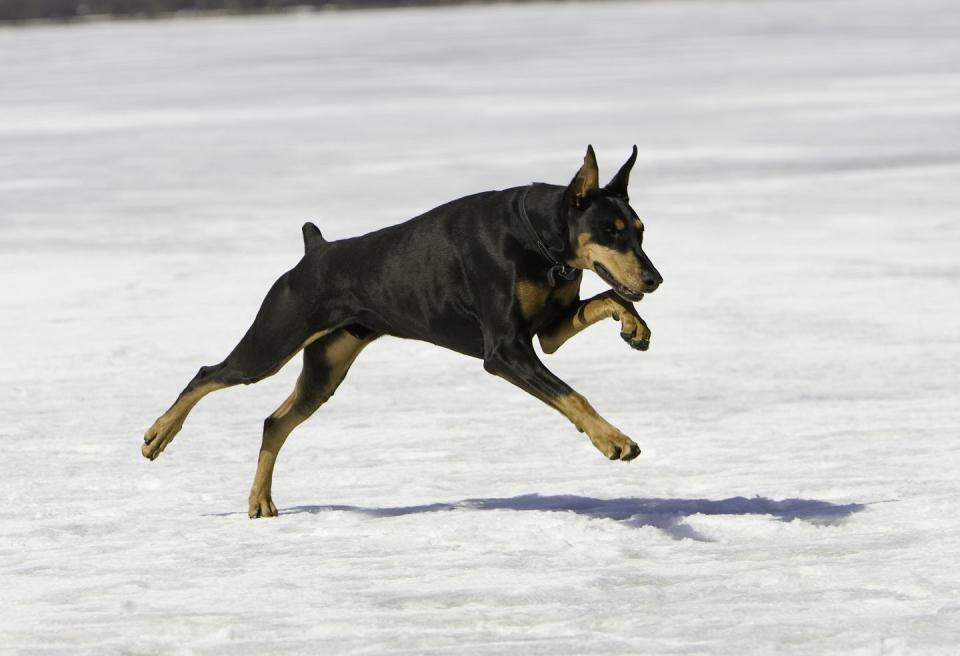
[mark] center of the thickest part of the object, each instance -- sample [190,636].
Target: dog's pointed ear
[618,185]
[586,180]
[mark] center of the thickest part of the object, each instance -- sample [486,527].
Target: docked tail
[311,237]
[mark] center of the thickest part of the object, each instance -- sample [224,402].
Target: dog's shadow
[665,514]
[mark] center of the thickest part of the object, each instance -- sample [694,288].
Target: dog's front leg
[518,363]
[633,329]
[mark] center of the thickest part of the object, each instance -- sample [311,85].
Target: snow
[798,410]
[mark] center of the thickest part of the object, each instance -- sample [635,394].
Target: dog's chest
[540,304]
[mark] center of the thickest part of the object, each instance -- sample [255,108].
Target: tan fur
[600,307]
[531,297]
[619,224]
[606,437]
[588,177]
[310,340]
[166,427]
[339,354]
[624,267]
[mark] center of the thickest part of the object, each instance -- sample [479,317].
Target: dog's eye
[614,227]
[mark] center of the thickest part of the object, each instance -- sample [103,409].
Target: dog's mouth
[608,278]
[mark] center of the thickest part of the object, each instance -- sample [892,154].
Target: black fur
[450,277]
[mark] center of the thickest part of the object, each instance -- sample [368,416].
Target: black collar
[558,268]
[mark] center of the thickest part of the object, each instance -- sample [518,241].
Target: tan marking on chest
[531,297]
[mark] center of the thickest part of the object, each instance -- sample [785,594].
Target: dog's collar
[558,268]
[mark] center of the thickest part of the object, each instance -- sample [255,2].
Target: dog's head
[606,234]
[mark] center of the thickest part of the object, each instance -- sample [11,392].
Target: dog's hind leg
[517,362]
[325,364]
[167,425]
[280,329]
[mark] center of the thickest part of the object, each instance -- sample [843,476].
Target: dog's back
[428,278]
[481,275]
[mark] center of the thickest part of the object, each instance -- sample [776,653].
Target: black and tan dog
[481,275]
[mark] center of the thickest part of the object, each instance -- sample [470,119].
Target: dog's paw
[641,344]
[616,446]
[261,505]
[634,331]
[158,436]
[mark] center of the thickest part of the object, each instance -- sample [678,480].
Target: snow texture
[798,410]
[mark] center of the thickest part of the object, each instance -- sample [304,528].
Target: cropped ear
[586,180]
[618,185]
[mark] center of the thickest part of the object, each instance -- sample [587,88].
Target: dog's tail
[311,237]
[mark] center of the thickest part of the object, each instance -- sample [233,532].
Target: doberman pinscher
[480,275]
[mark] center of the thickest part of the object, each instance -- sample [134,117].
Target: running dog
[481,275]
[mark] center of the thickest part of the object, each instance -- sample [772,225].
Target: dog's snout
[651,280]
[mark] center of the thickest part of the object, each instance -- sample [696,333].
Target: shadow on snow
[665,514]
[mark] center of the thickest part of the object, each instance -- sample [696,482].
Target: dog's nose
[651,281]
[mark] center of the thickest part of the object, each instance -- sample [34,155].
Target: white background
[798,176]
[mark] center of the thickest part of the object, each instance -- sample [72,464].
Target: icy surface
[798,410]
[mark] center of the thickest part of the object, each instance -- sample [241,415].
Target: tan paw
[634,331]
[261,505]
[158,436]
[616,446]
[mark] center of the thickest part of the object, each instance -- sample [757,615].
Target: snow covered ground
[798,410]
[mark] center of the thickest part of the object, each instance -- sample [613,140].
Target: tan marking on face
[637,224]
[531,297]
[624,267]
[619,224]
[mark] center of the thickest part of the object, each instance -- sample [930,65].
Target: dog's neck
[544,208]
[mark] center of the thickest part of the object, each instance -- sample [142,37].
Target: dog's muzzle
[625,292]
